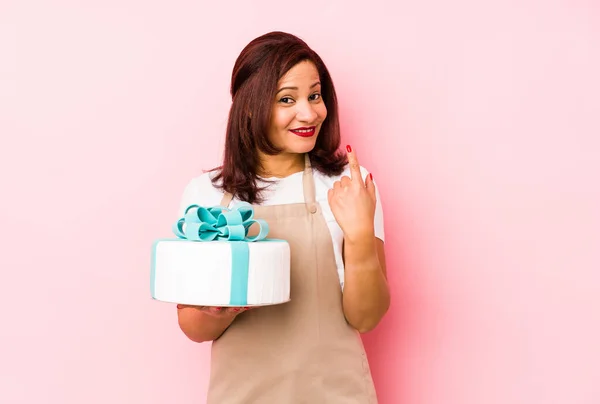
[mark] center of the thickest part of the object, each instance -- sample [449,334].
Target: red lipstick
[305,131]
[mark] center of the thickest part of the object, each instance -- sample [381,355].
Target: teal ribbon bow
[220,223]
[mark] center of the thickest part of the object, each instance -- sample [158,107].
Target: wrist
[361,241]
[360,237]
[361,252]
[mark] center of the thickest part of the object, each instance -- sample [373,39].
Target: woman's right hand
[217,312]
[206,323]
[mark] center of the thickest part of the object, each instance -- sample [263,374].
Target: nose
[306,112]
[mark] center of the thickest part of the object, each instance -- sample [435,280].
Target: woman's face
[298,110]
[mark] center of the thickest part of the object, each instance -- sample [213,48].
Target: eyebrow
[296,88]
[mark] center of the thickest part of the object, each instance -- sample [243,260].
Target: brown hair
[254,79]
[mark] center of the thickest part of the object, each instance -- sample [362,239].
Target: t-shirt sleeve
[379,228]
[191,195]
[378,220]
[199,191]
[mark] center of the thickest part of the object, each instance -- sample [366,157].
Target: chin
[303,147]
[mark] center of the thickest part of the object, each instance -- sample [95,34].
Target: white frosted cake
[215,263]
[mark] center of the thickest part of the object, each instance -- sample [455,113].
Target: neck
[280,165]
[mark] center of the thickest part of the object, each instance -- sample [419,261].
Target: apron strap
[308,184]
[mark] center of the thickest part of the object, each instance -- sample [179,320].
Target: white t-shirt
[200,191]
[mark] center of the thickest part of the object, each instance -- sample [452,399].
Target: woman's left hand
[352,202]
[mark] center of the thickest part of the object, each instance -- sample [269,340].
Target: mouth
[306,131]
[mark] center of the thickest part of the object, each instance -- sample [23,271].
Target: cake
[214,261]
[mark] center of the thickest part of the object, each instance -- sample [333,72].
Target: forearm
[366,296]
[199,326]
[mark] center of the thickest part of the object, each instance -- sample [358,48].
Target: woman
[282,155]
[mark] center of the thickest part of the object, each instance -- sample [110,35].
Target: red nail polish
[371,176]
[349,149]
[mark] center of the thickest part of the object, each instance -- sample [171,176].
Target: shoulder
[200,191]
[202,182]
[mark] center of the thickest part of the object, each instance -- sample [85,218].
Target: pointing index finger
[355,173]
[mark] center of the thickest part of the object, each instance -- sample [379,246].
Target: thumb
[370,185]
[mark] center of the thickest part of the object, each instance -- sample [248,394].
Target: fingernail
[349,148]
[371,176]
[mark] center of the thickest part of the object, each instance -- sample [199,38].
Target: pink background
[480,121]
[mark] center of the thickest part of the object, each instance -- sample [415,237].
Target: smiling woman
[283,155]
[297,115]
[279,87]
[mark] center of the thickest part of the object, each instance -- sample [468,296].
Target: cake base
[221,273]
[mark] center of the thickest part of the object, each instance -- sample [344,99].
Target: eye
[286,100]
[315,96]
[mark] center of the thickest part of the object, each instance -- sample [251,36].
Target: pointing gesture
[352,201]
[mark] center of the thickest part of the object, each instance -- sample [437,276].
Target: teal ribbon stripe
[218,223]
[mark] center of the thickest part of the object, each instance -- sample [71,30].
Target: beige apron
[302,351]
